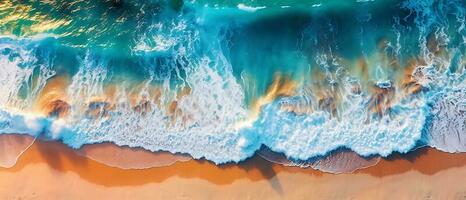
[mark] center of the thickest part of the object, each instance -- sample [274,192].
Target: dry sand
[50,170]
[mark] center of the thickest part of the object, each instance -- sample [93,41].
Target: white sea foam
[447,126]
[317,133]
[14,77]
[448,129]
[205,126]
[205,129]
[11,79]
[164,37]
[249,8]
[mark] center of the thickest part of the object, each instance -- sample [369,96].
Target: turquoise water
[375,77]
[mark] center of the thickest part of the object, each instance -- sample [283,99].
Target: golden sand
[50,170]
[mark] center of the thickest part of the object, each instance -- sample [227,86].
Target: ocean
[225,80]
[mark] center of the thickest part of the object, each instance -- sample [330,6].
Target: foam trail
[130,158]
[11,148]
[340,161]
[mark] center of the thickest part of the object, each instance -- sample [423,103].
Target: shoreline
[94,154]
[59,163]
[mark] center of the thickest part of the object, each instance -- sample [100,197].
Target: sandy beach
[232,99]
[50,170]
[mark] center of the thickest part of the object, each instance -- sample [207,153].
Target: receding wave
[11,148]
[130,158]
[338,161]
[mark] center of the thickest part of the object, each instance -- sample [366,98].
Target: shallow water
[11,148]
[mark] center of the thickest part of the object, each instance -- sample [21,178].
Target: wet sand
[129,158]
[50,170]
[12,147]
